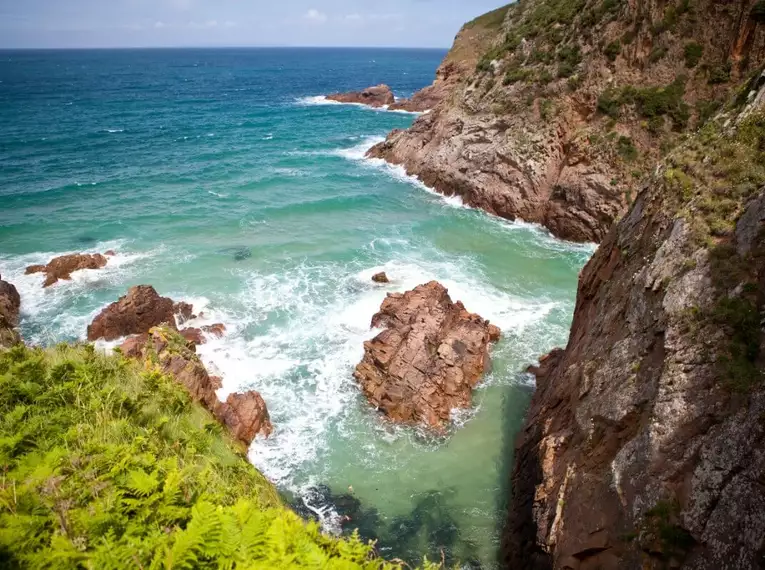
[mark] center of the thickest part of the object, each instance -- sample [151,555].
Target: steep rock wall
[572,101]
[644,446]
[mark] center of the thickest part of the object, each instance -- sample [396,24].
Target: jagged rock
[133,346]
[550,156]
[217,329]
[650,424]
[377,96]
[193,335]
[63,266]
[245,415]
[183,312]
[427,360]
[380,277]
[10,304]
[137,312]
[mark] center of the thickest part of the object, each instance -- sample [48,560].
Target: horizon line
[74,48]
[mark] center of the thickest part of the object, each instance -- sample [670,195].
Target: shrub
[626,149]
[109,465]
[657,54]
[613,50]
[758,12]
[516,75]
[693,53]
[609,103]
[720,74]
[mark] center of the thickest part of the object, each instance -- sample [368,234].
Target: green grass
[693,53]
[108,464]
[490,20]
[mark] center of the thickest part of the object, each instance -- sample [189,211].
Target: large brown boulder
[377,96]
[63,266]
[427,360]
[245,415]
[10,304]
[135,313]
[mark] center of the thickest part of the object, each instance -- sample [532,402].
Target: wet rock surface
[377,96]
[63,266]
[427,360]
[380,278]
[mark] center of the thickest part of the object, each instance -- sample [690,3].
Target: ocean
[222,177]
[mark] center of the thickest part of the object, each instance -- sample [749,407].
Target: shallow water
[221,177]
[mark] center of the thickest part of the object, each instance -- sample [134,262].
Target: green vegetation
[613,50]
[713,177]
[758,12]
[720,74]
[657,54]
[649,102]
[662,521]
[491,20]
[693,53]
[546,109]
[626,149]
[569,56]
[106,466]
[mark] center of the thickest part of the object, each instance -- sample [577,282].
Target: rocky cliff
[551,110]
[644,446]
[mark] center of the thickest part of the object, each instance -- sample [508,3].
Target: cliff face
[550,110]
[645,443]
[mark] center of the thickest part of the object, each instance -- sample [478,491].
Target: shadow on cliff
[430,528]
[518,531]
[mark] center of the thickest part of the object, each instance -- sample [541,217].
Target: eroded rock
[427,360]
[380,277]
[10,305]
[245,415]
[216,330]
[377,96]
[63,266]
[135,313]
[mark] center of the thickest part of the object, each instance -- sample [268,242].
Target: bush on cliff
[104,465]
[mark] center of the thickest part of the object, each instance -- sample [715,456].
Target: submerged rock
[135,313]
[10,305]
[380,277]
[193,335]
[245,415]
[216,330]
[63,266]
[427,360]
[377,96]
[183,312]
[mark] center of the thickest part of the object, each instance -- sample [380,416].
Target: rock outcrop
[63,266]
[644,446]
[245,415]
[550,110]
[135,313]
[427,360]
[377,96]
[10,305]
[380,277]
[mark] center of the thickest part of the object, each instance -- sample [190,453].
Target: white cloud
[354,18]
[314,15]
[159,25]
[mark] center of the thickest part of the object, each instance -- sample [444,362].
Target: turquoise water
[221,177]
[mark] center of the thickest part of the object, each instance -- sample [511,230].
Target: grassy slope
[104,465]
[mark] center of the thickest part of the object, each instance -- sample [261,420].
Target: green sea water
[223,178]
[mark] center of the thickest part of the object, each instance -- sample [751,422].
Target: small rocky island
[63,266]
[428,359]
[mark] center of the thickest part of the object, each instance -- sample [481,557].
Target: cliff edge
[644,446]
[551,110]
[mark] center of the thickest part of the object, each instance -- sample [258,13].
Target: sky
[177,23]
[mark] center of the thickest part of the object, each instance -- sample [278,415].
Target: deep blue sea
[222,177]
